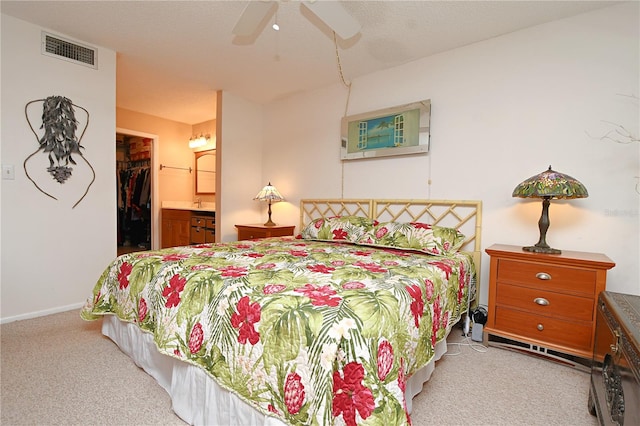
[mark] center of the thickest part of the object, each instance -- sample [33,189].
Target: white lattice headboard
[464,215]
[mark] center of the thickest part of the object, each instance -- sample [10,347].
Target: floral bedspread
[314,333]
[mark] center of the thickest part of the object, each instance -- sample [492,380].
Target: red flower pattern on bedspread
[381,232]
[417,306]
[385,359]
[174,257]
[462,282]
[350,395]
[123,275]
[244,319]
[195,338]
[445,266]
[421,225]
[273,288]
[339,234]
[233,271]
[293,393]
[402,384]
[321,268]
[320,295]
[429,288]
[371,267]
[173,289]
[142,309]
[437,319]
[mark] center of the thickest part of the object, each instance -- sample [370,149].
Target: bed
[341,324]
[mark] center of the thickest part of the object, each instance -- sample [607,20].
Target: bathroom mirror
[206,172]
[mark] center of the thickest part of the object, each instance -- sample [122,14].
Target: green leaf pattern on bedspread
[314,333]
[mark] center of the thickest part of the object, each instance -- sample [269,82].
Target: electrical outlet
[8,172]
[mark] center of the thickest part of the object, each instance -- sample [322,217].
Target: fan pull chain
[347,85]
[346,106]
[335,43]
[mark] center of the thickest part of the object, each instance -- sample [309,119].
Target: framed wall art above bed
[400,130]
[339,325]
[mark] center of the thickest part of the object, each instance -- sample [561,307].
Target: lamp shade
[550,184]
[547,185]
[271,195]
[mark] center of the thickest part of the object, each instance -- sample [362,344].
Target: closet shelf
[177,168]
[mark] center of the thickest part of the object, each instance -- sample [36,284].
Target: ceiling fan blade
[251,17]
[335,16]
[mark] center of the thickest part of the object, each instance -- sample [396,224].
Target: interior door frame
[155,202]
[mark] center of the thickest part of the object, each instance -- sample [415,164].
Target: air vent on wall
[68,50]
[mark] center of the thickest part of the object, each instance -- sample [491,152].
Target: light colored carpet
[60,370]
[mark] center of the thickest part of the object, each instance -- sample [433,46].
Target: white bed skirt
[197,398]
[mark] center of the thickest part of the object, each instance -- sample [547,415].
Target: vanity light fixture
[198,141]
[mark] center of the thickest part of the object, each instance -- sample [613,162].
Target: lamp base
[270,223]
[542,249]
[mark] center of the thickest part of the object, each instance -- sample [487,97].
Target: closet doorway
[135,191]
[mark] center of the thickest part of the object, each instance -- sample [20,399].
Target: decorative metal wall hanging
[59,140]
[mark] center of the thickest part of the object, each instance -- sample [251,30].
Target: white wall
[502,110]
[52,254]
[239,149]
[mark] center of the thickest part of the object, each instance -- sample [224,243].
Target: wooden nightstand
[545,301]
[250,232]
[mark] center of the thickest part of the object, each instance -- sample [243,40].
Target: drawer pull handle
[543,276]
[541,301]
[540,327]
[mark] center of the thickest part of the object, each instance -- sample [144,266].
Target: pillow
[338,228]
[423,237]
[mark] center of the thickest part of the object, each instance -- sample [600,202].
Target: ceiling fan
[332,13]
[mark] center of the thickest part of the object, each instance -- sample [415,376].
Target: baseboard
[43,313]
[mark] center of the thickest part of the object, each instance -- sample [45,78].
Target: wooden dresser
[185,227]
[614,395]
[545,301]
[251,232]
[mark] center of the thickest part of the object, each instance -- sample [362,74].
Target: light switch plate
[8,171]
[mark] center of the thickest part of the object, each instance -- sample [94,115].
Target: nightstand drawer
[251,233]
[540,302]
[545,329]
[551,277]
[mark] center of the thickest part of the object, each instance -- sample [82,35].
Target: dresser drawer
[197,235]
[198,221]
[551,277]
[541,302]
[545,329]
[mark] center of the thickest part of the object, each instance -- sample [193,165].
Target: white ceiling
[172,56]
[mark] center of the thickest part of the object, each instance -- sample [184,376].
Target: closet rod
[177,168]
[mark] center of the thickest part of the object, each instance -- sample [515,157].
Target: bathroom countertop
[189,205]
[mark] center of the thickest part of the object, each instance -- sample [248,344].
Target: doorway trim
[155,203]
